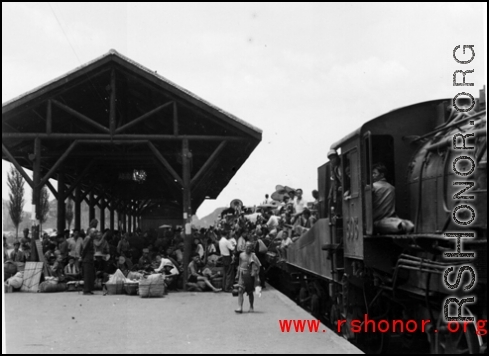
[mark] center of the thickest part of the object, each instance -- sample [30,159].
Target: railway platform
[181,322]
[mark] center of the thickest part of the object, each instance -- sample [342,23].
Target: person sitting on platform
[197,246]
[123,247]
[195,276]
[72,272]
[16,255]
[57,269]
[145,261]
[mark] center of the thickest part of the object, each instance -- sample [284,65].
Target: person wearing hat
[145,261]
[16,255]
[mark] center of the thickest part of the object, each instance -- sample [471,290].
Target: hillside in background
[207,220]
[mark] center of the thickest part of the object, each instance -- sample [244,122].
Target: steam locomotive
[358,278]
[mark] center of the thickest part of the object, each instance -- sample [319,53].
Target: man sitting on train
[383,194]
[384,205]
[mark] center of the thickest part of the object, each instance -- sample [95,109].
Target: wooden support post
[58,163]
[142,118]
[78,201]
[129,222]
[208,163]
[49,118]
[134,224]
[61,202]
[36,174]
[91,207]
[80,116]
[165,163]
[112,215]
[124,222]
[175,119]
[102,214]
[112,103]
[17,166]
[187,212]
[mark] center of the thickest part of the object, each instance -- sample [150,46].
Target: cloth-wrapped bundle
[16,281]
[153,286]
[49,287]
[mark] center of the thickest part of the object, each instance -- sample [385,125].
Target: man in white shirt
[299,203]
[165,262]
[226,248]
[274,221]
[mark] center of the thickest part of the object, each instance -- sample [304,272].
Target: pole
[187,213]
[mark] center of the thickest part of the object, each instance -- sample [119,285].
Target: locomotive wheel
[460,342]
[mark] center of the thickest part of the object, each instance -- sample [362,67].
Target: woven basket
[117,288]
[152,288]
[131,288]
[10,269]
[217,282]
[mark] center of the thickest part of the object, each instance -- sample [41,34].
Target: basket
[152,288]
[9,269]
[131,288]
[117,288]
[217,282]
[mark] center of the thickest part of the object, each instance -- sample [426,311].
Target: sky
[306,74]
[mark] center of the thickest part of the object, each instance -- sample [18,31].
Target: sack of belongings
[16,281]
[52,287]
[152,286]
[115,285]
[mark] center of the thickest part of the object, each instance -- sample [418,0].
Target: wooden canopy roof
[112,116]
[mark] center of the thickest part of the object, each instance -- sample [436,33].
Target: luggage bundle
[152,287]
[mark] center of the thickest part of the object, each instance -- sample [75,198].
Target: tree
[15,183]
[44,208]
[69,213]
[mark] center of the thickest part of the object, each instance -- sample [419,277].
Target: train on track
[350,274]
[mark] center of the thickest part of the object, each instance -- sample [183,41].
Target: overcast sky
[306,74]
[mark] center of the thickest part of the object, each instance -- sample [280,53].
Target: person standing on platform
[226,248]
[87,256]
[248,276]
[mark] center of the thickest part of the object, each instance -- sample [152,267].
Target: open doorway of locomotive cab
[383,152]
[377,149]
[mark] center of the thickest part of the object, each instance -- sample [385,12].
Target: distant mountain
[208,220]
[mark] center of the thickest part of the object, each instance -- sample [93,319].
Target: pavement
[181,322]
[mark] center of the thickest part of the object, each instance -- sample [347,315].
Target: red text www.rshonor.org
[383,326]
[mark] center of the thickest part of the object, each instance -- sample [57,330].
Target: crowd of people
[216,260]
